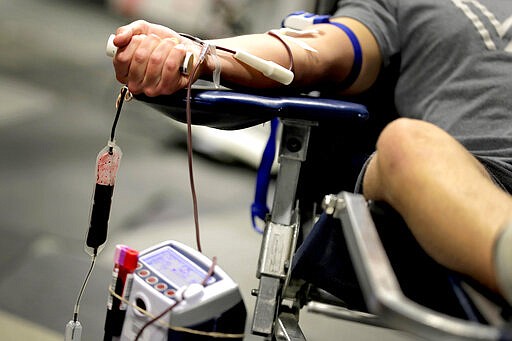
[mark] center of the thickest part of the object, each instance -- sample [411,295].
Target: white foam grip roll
[111,49]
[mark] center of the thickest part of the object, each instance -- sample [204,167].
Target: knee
[401,140]
[402,149]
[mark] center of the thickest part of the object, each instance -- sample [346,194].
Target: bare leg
[445,195]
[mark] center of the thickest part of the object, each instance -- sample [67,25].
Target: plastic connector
[73,331]
[267,68]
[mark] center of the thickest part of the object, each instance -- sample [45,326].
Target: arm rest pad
[225,109]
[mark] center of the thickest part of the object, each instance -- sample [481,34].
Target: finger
[172,79]
[140,61]
[123,36]
[123,59]
[155,65]
[125,33]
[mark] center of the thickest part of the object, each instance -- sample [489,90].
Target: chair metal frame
[278,300]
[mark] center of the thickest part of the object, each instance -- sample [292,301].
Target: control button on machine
[161,286]
[152,280]
[144,273]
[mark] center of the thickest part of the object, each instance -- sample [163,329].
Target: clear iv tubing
[73,330]
[202,56]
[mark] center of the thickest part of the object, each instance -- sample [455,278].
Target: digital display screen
[175,267]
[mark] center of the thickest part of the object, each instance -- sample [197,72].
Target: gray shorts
[500,171]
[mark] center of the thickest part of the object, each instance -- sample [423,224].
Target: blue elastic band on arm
[358,55]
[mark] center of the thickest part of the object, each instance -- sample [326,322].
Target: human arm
[149,56]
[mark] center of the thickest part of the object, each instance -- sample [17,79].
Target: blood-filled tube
[107,165]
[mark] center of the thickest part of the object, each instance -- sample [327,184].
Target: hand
[148,58]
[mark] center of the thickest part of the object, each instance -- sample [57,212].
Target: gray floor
[57,91]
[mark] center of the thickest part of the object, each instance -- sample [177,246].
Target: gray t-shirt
[455,65]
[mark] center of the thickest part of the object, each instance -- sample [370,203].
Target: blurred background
[57,94]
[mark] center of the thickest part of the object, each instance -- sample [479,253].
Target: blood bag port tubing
[107,165]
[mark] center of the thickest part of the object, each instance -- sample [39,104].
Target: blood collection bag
[107,165]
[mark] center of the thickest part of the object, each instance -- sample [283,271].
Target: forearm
[309,67]
[329,65]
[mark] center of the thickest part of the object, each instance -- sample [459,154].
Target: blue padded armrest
[226,109]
